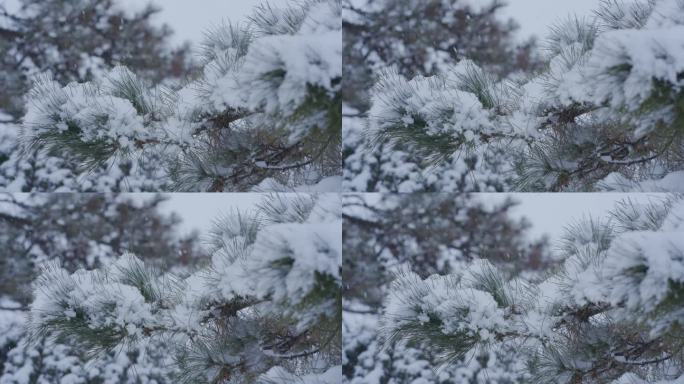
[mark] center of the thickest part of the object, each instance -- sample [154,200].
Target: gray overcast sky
[549,213]
[199,210]
[535,16]
[190,19]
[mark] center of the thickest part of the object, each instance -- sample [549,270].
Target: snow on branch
[96,121]
[270,296]
[265,106]
[100,309]
[441,114]
[613,306]
[605,109]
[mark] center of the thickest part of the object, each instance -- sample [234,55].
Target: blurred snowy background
[189,20]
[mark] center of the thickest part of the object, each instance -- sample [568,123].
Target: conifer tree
[435,234]
[99,34]
[605,113]
[266,309]
[83,231]
[264,113]
[73,41]
[421,38]
[611,313]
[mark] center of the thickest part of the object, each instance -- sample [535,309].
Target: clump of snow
[435,102]
[315,248]
[279,375]
[452,300]
[97,112]
[277,71]
[102,299]
[383,168]
[626,69]
[283,262]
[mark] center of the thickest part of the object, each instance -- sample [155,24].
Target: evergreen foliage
[83,231]
[267,308]
[76,41]
[611,313]
[422,38]
[603,114]
[265,112]
[435,234]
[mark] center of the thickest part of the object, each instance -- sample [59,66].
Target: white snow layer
[279,375]
[276,73]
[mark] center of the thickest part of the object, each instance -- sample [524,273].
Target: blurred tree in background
[76,40]
[420,37]
[84,231]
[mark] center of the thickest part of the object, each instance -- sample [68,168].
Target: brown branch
[8,33]
[19,309]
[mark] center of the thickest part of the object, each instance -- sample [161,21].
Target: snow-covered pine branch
[265,107]
[454,313]
[271,297]
[605,113]
[436,234]
[100,309]
[611,312]
[386,43]
[441,114]
[99,35]
[99,120]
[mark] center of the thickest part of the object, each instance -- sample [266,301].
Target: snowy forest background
[118,289]
[442,288]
